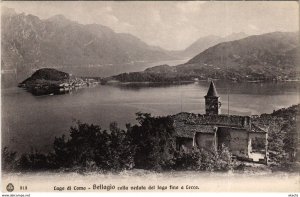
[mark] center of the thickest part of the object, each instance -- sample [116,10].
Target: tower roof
[212,92]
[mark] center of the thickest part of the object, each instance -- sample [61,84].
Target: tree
[121,150]
[154,141]
[89,146]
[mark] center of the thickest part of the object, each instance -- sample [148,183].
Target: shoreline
[195,81]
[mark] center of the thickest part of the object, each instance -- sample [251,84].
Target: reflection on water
[142,86]
[268,88]
[28,120]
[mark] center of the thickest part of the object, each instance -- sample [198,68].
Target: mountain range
[267,56]
[29,43]
[270,56]
[206,42]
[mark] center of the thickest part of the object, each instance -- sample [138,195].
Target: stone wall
[184,143]
[238,141]
[253,135]
[205,140]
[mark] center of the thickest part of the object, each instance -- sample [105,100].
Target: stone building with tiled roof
[212,130]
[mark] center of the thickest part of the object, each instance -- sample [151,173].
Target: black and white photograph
[150,96]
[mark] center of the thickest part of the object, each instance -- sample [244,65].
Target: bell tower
[212,103]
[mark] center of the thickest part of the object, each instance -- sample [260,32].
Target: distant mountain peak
[237,33]
[208,41]
[234,36]
[60,19]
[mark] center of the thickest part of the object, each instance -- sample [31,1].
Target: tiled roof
[215,120]
[187,130]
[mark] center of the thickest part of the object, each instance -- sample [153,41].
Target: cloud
[252,27]
[108,8]
[156,16]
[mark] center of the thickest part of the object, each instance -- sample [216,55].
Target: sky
[172,25]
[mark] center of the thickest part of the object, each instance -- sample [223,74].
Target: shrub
[188,160]
[9,160]
[34,161]
[204,160]
[223,159]
[88,144]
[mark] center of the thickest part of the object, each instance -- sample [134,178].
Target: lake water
[30,121]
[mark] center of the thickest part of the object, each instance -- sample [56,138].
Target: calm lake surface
[31,121]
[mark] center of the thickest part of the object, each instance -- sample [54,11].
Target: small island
[47,81]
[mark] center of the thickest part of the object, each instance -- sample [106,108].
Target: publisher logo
[10,187]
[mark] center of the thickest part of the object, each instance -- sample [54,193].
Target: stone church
[213,129]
